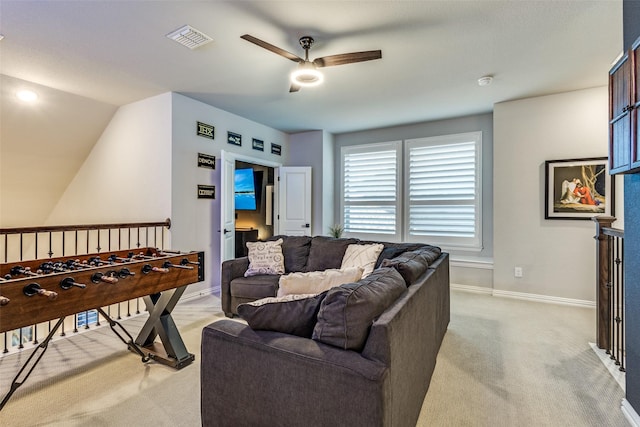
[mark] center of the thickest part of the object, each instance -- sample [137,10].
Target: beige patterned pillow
[265,258]
[314,282]
[364,256]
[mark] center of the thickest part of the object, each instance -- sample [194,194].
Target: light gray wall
[196,222]
[315,149]
[557,256]
[480,122]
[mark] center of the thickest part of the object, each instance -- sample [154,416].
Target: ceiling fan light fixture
[306,75]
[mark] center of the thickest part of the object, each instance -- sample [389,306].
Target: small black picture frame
[205,130]
[234,138]
[206,161]
[258,144]
[276,149]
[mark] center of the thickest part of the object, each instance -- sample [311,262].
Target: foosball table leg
[39,351]
[130,343]
[172,351]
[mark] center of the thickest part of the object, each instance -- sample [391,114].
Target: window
[440,178]
[370,187]
[443,183]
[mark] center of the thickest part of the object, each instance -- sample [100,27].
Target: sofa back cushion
[327,252]
[392,250]
[295,250]
[347,312]
[413,264]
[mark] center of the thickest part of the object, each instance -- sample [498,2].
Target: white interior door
[228,216]
[294,201]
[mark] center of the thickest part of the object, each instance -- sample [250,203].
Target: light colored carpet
[503,362]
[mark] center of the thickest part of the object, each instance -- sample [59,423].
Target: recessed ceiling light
[27,95]
[485,80]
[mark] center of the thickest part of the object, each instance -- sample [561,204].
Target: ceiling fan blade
[294,88]
[347,58]
[272,48]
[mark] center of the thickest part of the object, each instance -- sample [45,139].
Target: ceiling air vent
[189,37]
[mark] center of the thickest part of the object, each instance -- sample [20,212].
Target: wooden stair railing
[610,289]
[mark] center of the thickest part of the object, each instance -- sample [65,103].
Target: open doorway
[253,201]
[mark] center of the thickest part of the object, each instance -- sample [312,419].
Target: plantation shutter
[443,182]
[370,176]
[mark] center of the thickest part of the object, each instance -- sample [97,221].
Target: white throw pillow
[265,258]
[315,282]
[364,256]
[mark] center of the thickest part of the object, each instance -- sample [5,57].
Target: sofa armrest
[265,378]
[231,269]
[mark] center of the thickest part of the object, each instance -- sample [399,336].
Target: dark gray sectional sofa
[375,373]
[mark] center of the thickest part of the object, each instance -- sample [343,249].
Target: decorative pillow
[364,256]
[314,282]
[291,314]
[327,252]
[265,258]
[347,312]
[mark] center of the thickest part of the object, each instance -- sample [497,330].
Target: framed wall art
[258,144]
[578,188]
[234,138]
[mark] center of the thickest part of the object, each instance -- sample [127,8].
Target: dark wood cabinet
[624,120]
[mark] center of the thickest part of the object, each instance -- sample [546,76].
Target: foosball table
[38,291]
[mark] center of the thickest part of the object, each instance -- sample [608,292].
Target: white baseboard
[613,369]
[469,263]
[469,288]
[525,296]
[198,294]
[630,414]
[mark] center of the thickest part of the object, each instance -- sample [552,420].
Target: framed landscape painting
[578,188]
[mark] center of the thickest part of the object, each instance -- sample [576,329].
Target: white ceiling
[86,58]
[433,52]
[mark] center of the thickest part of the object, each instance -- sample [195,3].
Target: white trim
[469,288]
[613,369]
[467,263]
[544,298]
[524,296]
[198,294]
[630,414]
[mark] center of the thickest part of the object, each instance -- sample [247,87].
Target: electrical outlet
[517,272]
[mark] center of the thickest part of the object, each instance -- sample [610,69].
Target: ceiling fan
[307,73]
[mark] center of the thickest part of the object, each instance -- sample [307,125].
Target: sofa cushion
[291,314]
[314,282]
[347,312]
[392,250]
[327,252]
[295,250]
[413,264]
[364,256]
[254,287]
[265,258]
